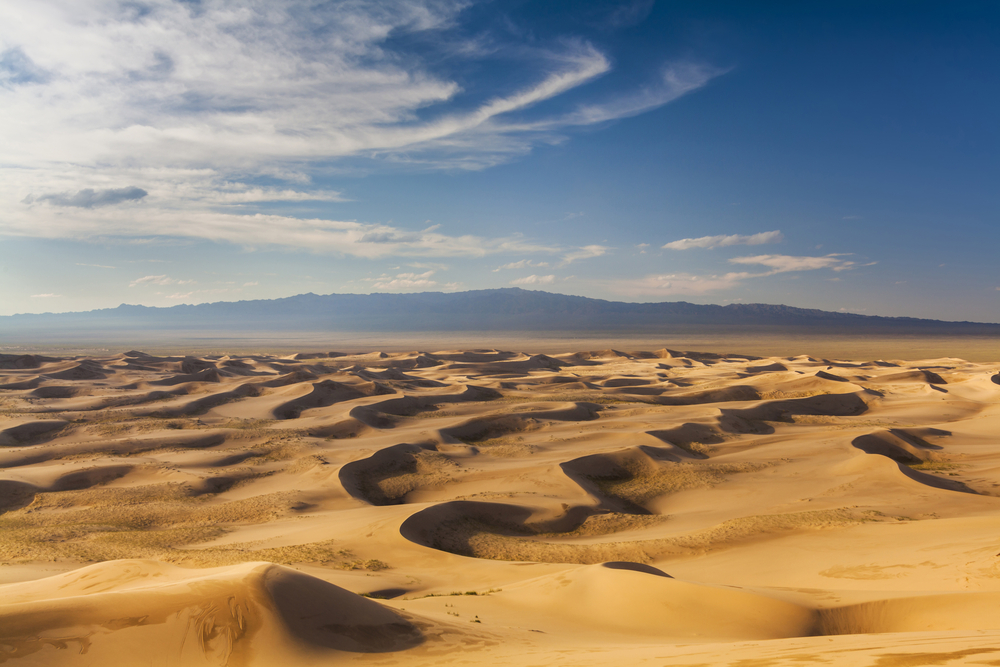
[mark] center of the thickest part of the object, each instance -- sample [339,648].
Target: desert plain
[491,507]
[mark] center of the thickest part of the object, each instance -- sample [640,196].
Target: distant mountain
[508,309]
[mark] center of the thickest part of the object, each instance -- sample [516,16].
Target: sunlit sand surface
[489,507]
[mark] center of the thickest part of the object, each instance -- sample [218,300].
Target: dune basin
[486,507]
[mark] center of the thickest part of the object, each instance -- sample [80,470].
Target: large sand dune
[490,507]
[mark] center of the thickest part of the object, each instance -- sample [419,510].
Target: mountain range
[507,309]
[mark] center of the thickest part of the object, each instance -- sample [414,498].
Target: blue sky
[840,156]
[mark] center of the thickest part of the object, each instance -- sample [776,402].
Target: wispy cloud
[159,280]
[785,263]
[675,81]
[402,282]
[630,13]
[357,239]
[725,240]
[89,198]
[46,296]
[677,284]
[187,108]
[406,281]
[534,280]
[586,252]
[522,264]
[96,266]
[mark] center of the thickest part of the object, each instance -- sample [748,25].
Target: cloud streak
[586,252]
[409,281]
[785,263]
[722,241]
[158,280]
[522,264]
[681,283]
[358,239]
[534,280]
[90,198]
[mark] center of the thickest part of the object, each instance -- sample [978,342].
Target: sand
[504,508]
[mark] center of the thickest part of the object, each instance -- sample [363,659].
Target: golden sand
[502,508]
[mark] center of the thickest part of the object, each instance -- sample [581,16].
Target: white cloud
[522,264]
[409,281]
[676,284]
[96,266]
[347,237]
[89,198]
[158,280]
[630,13]
[676,80]
[586,252]
[725,240]
[241,193]
[46,296]
[181,109]
[252,284]
[785,263]
[534,280]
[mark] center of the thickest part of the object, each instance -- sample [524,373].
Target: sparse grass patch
[113,423]
[8,408]
[598,396]
[456,593]
[695,447]
[933,466]
[474,538]
[106,523]
[608,524]
[644,483]
[250,428]
[506,447]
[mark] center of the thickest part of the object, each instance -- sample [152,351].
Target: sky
[837,155]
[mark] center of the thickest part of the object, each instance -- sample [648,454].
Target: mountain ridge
[502,309]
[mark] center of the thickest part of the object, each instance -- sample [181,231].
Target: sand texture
[498,508]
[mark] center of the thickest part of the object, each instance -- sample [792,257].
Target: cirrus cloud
[409,281]
[90,198]
[522,264]
[534,280]
[725,240]
[159,280]
[680,283]
[586,252]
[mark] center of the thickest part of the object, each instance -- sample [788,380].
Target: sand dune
[250,614]
[498,507]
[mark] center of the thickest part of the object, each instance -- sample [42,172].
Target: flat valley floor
[485,507]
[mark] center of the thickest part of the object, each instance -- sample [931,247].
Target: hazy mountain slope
[509,309]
